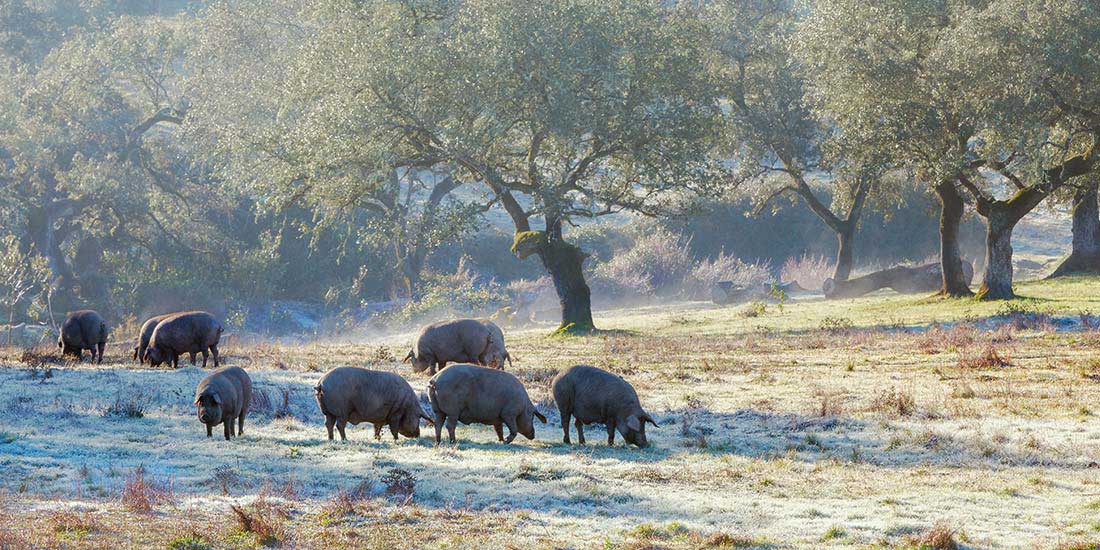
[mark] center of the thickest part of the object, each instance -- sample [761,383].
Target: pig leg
[240,423]
[440,418]
[565,425]
[330,421]
[393,428]
[511,422]
[611,433]
[204,356]
[340,425]
[193,358]
[228,428]
[209,430]
[377,432]
[500,431]
[99,348]
[214,350]
[176,360]
[452,423]
[580,431]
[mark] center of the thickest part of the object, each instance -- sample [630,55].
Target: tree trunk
[1084,257]
[997,282]
[44,239]
[844,246]
[565,264]
[955,282]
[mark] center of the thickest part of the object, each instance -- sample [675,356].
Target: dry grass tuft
[141,491]
[73,523]
[987,359]
[400,485]
[649,536]
[894,402]
[938,537]
[1078,545]
[344,501]
[827,402]
[130,404]
[938,339]
[263,519]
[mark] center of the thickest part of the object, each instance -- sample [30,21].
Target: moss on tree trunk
[565,264]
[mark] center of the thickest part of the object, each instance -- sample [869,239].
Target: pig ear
[198,400]
[408,357]
[646,418]
[540,416]
[428,419]
[217,398]
[633,423]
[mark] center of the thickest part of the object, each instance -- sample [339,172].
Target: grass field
[883,422]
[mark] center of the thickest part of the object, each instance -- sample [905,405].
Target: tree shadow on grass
[807,438]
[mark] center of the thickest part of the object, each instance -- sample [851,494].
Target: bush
[464,292]
[707,273]
[655,264]
[808,270]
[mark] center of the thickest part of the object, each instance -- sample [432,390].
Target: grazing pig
[456,341]
[145,334]
[222,397]
[469,393]
[83,330]
[190,332]
[595,396]
[354,394]
[495,353]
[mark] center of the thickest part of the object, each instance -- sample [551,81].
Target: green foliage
[755,308]
[190,542]
[459,293]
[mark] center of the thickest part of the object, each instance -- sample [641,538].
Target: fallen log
[725,292]
[902,279]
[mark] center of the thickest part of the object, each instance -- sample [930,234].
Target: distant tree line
[253,149]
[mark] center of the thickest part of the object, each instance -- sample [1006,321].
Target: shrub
[808,270]
[707,273]
[656,263]
[463,292]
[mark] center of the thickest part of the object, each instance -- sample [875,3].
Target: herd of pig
[474,390]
